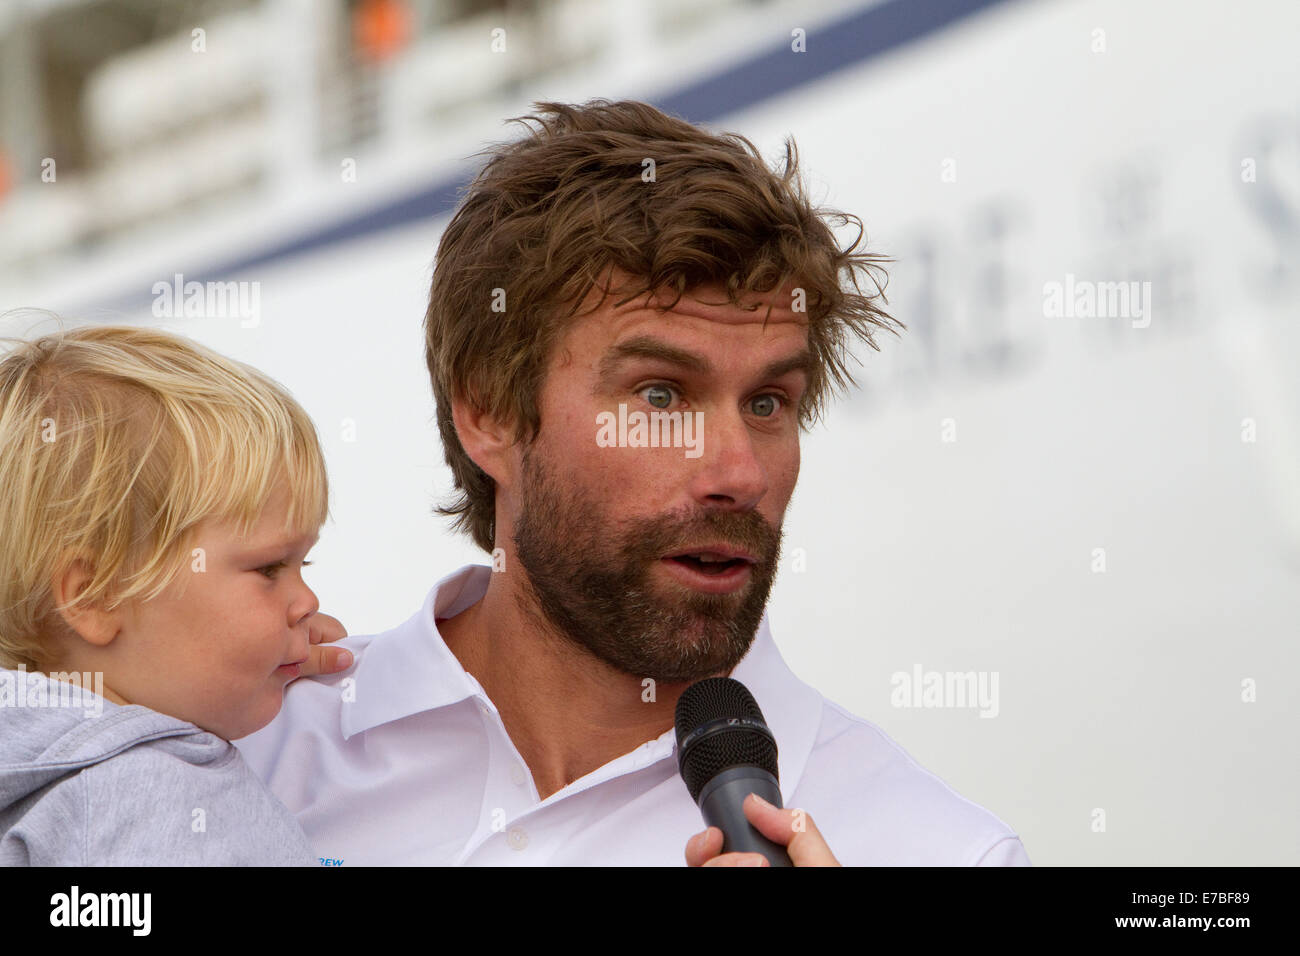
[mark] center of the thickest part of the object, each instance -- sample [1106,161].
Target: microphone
[724,753]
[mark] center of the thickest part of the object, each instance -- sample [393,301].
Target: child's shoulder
[130,786]
[57,762]
[188,801]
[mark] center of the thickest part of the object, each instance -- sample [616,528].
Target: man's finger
[703,847]
[739,859]
[793,829]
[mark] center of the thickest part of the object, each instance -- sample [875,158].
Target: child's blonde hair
[115,442]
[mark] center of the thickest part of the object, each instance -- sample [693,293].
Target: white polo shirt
[403,760]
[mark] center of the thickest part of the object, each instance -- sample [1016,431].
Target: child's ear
[91,622]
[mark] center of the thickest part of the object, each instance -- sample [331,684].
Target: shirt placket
[508,795]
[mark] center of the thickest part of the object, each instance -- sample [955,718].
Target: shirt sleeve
[260,749]
[1008,851]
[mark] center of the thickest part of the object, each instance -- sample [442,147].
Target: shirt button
[517,774]
[517,838]
[484,708]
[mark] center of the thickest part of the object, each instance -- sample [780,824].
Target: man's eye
[659,396]
[765,406]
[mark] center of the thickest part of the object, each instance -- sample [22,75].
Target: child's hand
[322,630]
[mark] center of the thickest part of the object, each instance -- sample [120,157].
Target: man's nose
[732,474]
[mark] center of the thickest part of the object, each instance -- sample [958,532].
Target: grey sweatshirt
[128,787]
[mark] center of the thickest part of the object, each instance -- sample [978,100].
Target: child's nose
[306,605]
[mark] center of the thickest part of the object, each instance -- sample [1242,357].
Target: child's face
[218,646]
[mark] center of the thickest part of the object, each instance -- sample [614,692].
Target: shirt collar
[417,672]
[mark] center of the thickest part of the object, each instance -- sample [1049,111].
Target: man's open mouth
[710,562]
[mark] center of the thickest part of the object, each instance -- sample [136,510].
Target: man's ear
[92,623]
[485,439]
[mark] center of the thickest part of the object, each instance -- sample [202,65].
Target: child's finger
[323,628]
[323,659]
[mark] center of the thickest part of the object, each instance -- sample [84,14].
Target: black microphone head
[719,726]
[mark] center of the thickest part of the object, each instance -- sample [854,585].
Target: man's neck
[566,712]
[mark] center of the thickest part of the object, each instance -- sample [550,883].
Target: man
[613,265]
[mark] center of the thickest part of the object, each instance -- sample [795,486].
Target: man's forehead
[615,329]
[711,303]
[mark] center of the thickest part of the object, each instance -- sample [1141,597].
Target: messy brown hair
[551,213]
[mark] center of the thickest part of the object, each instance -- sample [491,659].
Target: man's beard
[594,583]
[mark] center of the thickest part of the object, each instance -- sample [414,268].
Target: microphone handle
[721,804]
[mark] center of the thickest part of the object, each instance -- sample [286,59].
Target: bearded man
[614,261]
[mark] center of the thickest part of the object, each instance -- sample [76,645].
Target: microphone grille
[712,700]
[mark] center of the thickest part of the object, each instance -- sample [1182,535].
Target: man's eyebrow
[644,346]
[799,362]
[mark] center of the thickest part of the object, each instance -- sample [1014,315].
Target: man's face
[601,531]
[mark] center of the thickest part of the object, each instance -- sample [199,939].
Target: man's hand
[321,659]
[792,829]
